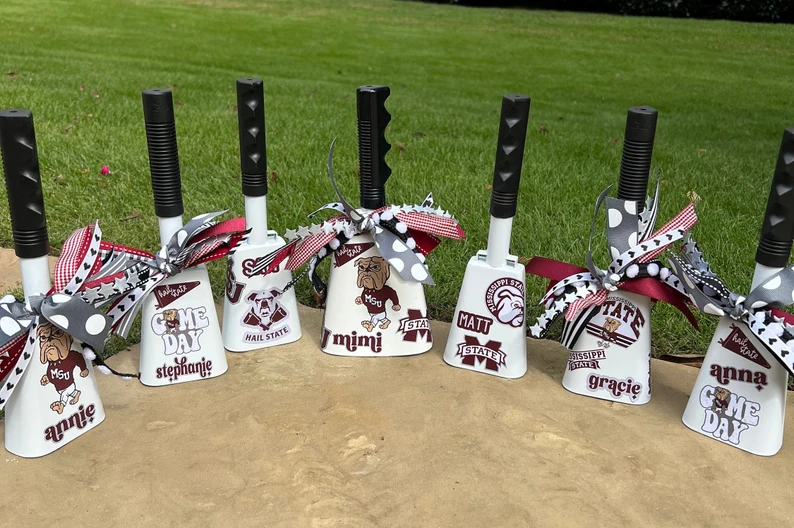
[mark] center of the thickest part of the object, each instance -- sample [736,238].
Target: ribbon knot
[759,310]
[402,234]
[634,267]
[167,267]
[738,312]
[67,306]
[610,282]
[201,240]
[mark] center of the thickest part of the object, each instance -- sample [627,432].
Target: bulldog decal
[373,272]
[57,354]
[265,310]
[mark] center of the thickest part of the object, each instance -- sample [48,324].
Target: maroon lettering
[353,341]
[181,367]
[724,375]
[616,387]
[637,323]
[474,323]
[83,417]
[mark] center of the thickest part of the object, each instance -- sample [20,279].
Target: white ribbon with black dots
[773,328]
[64,307]
[634,250]
[402,234]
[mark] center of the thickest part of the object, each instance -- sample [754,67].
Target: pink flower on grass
[105,170]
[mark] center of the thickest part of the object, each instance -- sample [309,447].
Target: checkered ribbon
[200,240]
[404,235]
[65,307]
[634,250]
[773,328]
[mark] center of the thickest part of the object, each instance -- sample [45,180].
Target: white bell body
[180,334]
[361,317]
[739,397]
[488,334]
[256,314]
[611,359]
[42,418]
[54,402]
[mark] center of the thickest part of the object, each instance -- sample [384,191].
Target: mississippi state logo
[234,289]
[473,353]
[618,322]
[266,315]
[590,359]
[414,326]
[504,298]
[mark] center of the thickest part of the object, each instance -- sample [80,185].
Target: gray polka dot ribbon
[758,310]
[634,249]
[402,234]
[202,239]
[63,307]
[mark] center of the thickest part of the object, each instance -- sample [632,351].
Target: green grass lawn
[724,92]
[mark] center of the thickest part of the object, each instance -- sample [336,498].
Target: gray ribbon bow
[143,273]
[713,297]
[383,227]
[633,247]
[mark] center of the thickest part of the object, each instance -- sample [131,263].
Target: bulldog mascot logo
[171,321]
[373,272]
[57,354]
[610,329]
[265,310]
[504,298]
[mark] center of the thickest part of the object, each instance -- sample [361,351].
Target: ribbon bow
[138,272]
[634,267]
[772,327]
[65,307]
[404,235]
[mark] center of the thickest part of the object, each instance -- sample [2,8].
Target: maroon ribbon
[555,271]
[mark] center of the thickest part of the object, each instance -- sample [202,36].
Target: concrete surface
[291,437]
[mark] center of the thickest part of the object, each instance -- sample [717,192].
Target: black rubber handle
[777,230]
[158,113]
[635,167]
[23,182]
[253,151]
[509,155]
[372,145]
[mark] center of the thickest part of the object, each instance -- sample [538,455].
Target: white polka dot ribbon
[634,251]
[403,235]
[201,240]
[775,329]
[70,312]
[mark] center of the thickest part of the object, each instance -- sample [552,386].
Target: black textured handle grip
[777,230]
[251,120]
[372,144]
[158,112]
[23,182]
[509,155]
[635,167]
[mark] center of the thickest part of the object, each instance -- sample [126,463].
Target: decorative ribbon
[65,307]
[138,272]
[773,328]
[404,235]
[634,267]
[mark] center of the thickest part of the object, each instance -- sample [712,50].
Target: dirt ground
[291,437]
